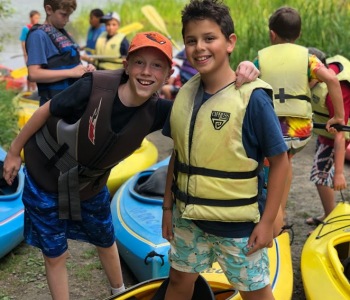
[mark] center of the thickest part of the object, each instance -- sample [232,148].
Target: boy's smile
[148,70]
[207,48]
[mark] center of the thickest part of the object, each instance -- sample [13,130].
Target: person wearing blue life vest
[53,56]
[95,30]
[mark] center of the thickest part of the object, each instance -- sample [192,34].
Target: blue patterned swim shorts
[193,251]
[43,228]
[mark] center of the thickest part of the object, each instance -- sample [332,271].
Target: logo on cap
[155,38]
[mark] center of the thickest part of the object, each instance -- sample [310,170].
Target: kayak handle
[153,254]
[338,127]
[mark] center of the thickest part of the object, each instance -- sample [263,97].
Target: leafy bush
[8,120]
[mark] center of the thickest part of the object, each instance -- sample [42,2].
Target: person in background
[34,17]
[53,56]
[328,165]
[111,46]
[288,68]
[182,73]
[95,30]
[214,184]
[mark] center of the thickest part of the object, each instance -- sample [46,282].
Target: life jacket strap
[183,197]
[68,181]
[193,170]
[283,97]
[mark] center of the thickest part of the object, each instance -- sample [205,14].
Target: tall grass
[8,120]
[325,23]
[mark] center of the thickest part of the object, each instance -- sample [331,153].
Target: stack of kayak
[325,259]
[12,83]
[137,215]
[11,211]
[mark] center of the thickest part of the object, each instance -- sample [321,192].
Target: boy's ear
[273,36]
[231,42]
[48,9]
[125,64]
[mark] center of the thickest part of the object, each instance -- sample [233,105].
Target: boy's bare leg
[181,285]
[262,294]
[327,198]
[57,276]
[111,264]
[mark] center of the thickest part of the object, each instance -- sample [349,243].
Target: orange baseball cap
[152,39]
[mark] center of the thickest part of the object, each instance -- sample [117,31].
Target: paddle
[20,72]
[127,29]
[338,127]
[156,20]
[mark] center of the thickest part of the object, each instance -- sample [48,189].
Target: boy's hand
[261,237]
[12,165]
[339,182]
[246,72]
[332,121]
[78,71]
[90,68]
[167,225]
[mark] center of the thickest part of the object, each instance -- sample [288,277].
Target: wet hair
[215,10]
[66,5]
[286,23]
[33,13]
[319,54]
[98,13]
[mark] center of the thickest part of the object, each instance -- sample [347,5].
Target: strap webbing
[68,181]
[212,202]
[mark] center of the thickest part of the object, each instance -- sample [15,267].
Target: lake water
[13,26]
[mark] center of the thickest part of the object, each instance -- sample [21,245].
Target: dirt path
[22,271]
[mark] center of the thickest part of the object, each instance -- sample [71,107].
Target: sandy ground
[92,284]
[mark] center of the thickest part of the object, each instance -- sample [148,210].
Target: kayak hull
[11,213]
[323,257]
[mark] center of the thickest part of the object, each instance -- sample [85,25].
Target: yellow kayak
[26,103]
[325,259]
[139,160]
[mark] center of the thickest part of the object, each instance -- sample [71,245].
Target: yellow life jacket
[320,92]
[285,68]
[213,177]
[109,48]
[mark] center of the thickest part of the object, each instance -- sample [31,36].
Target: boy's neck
[215,82]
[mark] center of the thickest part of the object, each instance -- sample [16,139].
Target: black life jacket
[86,150]
[67,58]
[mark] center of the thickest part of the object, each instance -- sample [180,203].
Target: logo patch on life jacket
[92,123]
[219,119]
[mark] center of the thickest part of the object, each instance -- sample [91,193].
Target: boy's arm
[38,74]
[13,159]
[335,93]
[262,234]
[339,181]
[167,228]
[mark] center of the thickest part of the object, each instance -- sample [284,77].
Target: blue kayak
[11,212]
[137,214]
